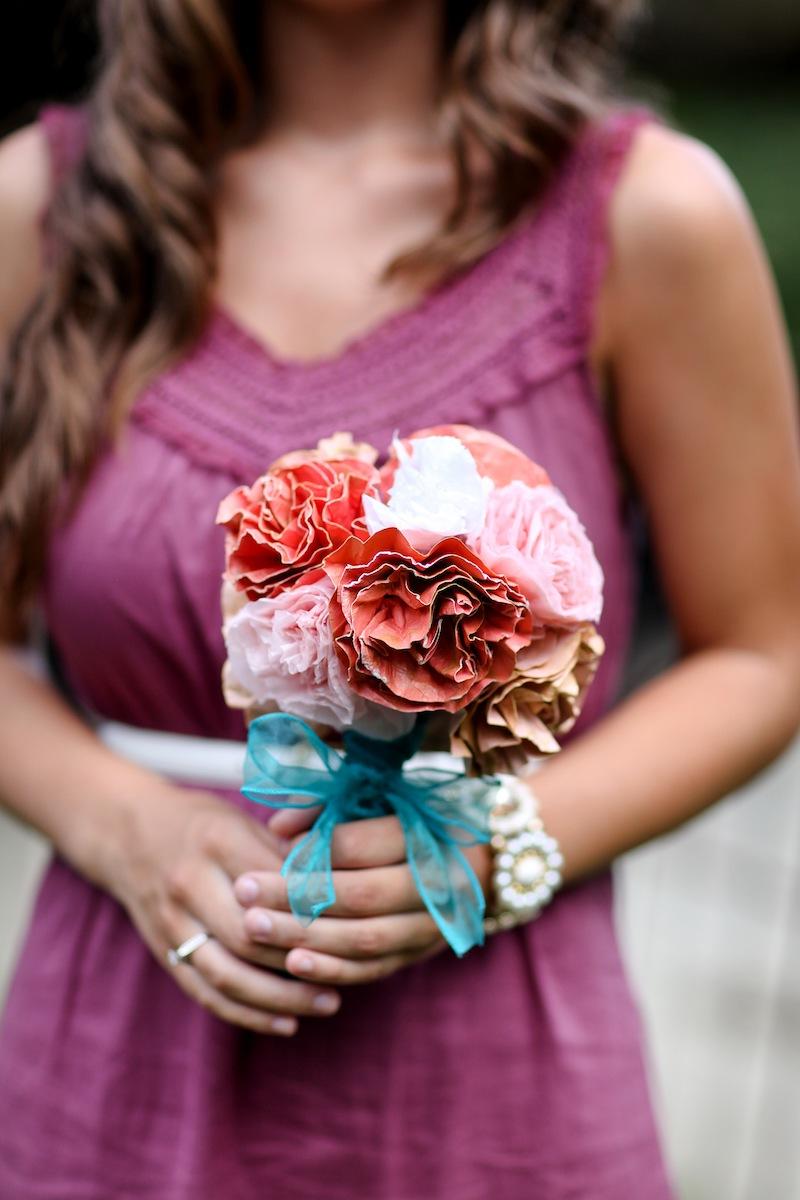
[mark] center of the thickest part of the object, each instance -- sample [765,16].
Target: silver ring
[186,949]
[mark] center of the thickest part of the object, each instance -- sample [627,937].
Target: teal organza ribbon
[440,811]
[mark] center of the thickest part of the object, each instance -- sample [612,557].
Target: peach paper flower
[422,631]
[531,535]
[513,722]
[280,530]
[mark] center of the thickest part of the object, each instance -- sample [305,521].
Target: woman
[568,273]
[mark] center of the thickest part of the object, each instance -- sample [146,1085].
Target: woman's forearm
[676,745]
[58,777]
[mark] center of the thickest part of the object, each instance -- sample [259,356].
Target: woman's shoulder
[676,214]
[675,193]
[24,191]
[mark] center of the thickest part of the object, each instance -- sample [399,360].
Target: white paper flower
[436,493]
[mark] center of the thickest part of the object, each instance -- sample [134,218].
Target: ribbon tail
[308,872]
[445,880]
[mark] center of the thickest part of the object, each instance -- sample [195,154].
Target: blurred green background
[728,72]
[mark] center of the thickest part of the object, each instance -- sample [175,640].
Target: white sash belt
[210,762]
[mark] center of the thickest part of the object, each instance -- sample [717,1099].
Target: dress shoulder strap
[64,127]
[597,163]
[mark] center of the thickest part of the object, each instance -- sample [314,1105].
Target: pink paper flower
[532,536]
[421,631]
[280,530]
[280,654]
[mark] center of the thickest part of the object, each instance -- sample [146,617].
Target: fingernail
[246,889]
[302,962]
[327,1002]
[262,924]
[284,1025]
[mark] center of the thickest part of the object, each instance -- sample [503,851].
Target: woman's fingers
[287,823]
[338,972]
[355,938]
[375,842]
[367,892]
[252,986]
[342,971]
[255,1019]
[183,858]
[228,983]
[203,890]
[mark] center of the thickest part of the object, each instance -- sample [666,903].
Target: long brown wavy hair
[132,230]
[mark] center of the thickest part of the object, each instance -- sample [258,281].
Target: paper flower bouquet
[452,593]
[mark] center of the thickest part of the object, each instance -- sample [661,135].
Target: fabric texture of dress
[517,1071]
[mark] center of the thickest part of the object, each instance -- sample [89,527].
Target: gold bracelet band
[527,859]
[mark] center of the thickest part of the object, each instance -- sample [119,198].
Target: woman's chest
[303,247]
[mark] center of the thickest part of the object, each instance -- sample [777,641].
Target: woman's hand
[173,873]
[378,923]
[167,854]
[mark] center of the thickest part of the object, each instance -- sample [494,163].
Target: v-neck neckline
[396,327]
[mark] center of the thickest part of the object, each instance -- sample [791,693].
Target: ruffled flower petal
[532,536]
[436,492]
[280,530]
[281,656]
[422,631]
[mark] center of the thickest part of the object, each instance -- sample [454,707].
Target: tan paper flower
[512,722]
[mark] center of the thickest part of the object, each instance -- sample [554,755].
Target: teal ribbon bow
[439,811]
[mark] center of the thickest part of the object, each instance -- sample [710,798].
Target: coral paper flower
[422,631]
[533,536]
[513,722]
[280,530]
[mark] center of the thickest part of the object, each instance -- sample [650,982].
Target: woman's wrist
[526,858]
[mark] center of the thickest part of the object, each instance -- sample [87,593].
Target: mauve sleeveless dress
[516,1072]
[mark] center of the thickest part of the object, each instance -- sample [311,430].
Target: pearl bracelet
[527,860]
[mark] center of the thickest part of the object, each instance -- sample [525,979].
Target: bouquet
[449,598]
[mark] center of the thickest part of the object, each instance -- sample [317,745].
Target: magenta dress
[515,1072]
